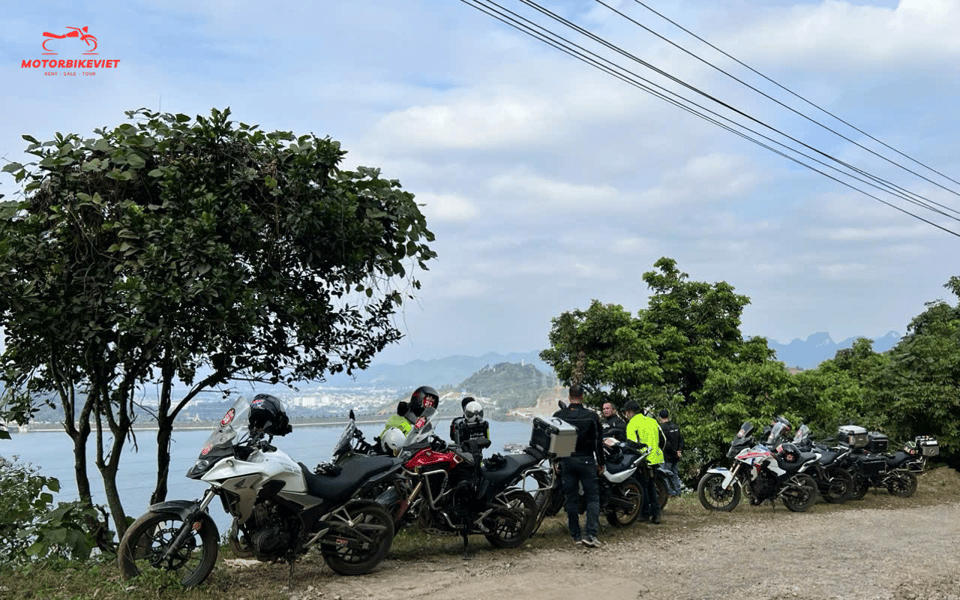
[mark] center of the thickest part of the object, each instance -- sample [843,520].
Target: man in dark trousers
[582,468]
[672,451]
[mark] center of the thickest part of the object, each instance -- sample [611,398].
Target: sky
[549,183]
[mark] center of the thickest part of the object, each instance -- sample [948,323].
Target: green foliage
[918,388]
[30,527]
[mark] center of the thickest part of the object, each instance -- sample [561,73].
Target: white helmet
[392,439]
[473,412]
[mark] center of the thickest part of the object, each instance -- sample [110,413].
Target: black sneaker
[591,542]
[655,520]
[577,542]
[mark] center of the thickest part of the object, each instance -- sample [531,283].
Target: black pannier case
[877,443]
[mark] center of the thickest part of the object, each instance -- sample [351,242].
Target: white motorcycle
[761,474]
[280,507]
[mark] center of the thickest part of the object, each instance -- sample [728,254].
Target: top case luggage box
[928,445]
[877,443]
[553,437]
[853,436]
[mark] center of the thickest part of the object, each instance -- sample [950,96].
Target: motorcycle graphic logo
[75,32]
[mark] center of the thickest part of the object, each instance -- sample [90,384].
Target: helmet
[789,452]
[267,414]
[423,397]
[392,440]
[473,412]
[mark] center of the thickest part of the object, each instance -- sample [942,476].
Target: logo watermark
[53,43]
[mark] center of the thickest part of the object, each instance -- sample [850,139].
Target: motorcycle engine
[269,536]
[764,486]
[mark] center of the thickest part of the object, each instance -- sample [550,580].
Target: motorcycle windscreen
[422,429]
[232,426]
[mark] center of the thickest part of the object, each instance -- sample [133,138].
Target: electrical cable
[696,90]
[529,31]
[789,91]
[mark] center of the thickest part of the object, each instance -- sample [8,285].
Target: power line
[527,29]
[791,92]
[696,90]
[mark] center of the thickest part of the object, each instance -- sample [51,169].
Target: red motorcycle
[450,490]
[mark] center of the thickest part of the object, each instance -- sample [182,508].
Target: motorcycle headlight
[199,468]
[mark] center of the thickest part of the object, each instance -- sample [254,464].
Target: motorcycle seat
[511,467]
[353,473]
[828,456]
[794,467]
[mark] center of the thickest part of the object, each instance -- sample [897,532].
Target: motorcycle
[760,474]
[873,467]
[281,509]
[834,481]
[621,497]
[450,490]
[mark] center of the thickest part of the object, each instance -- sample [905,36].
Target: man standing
[582,468]
[644,430]
[672,451]
[613,426]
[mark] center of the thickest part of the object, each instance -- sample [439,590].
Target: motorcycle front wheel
[148,545]
[366,543]
[512,523]
[838,488]
[626,499]
[662,495]
[801,493]
[902,483]
[714,497]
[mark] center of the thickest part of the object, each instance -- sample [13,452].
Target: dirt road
[882,547]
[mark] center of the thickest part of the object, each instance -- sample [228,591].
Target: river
[52,453]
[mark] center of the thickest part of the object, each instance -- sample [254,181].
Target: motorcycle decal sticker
[228,418]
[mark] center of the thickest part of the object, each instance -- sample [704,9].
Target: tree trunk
[164,435]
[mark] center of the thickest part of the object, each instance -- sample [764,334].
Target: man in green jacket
[645,430]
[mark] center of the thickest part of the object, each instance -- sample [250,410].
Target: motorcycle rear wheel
[511,524]
[902,483]
[373,521]
[801,493]
[149,537]
[662,495]
[714,497]
[838,488]
[860,487]
[626,500]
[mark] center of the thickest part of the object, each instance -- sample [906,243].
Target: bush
[29,525]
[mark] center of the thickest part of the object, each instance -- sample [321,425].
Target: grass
[238,580]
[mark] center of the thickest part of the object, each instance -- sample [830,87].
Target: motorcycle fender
[182,508]
[186,510]
[727,476]
[618,477]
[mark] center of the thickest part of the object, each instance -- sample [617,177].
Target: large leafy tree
[195,250]
[918,387]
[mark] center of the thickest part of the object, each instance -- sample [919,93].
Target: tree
[599,348]
[918,387]
[203,251]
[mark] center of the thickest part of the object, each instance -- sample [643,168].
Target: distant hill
[511,385]
[438,373]
[818,347]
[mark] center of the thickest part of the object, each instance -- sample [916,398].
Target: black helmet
[268,415]
[423,397]
[789,452]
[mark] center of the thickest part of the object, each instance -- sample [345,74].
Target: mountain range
[448,372]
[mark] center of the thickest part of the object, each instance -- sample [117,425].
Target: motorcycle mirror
[352,417]
[561,404]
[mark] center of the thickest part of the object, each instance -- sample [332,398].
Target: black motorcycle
[834,480]
[874,467]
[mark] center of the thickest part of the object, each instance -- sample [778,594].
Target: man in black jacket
[672,451]
[582,468]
